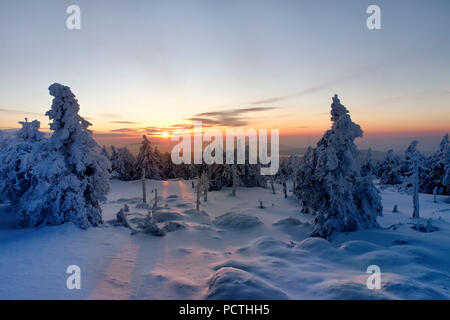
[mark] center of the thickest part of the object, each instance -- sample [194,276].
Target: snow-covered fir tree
[305,173]
[436,167]
[334,189]
[72,181]
[414,163]
[18,156]
[231,177]
[292,169]
[251,173]
[158,161]
[122,164]
[148,160]
[446,180]
[367,169]
[389,170]
[105,152]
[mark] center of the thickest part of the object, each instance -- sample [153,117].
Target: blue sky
[138,64]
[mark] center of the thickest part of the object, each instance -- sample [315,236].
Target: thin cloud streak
[228,118]
[351,75]
[110,115]
[22,112]
[124,122]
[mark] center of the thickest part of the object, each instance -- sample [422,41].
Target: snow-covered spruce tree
[147,159]
[251,173]
[389,170]
[169,169]
[436,167]
[105,152]
[158,162]
[231,177]
[302,180]
[342,199]
[446,180]
[73,179]
[122,163]
[18,156]
[414,162]
[367,169]
[293,165]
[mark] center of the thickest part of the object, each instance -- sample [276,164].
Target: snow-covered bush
[71,179]
[329,180]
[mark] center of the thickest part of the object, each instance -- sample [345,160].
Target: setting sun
[165,134]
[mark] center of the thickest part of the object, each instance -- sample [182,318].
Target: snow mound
[291,221]
[358,247]
[237,220]
[235,284]
[268,246]
[314,244]
[198,215]
[166,215]
[348,290]
[400,286]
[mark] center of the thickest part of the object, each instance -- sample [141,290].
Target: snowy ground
[250,253]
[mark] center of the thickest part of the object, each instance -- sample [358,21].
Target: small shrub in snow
[395,210]
[152,228]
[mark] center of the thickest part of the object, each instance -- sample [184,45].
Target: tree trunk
[144,193]
[233,169]
[197,206]
[272,184]
[416,190]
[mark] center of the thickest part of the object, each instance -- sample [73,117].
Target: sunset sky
[152,66]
